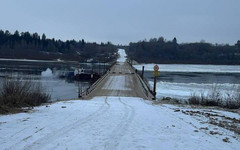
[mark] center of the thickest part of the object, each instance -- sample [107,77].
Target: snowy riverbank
[115,123]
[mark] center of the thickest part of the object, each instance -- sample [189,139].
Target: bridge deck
[120,81]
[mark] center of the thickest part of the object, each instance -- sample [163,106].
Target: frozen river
[181,81]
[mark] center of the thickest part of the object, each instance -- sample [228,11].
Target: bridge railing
[143,81]
[94,85]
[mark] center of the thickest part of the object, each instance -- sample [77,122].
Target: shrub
[194,99]
[18,94]
[210,102]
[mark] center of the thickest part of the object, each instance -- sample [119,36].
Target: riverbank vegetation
[230,99]
[215,97]
[17,94]
[171,52]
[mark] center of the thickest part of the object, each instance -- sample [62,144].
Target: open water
[47,73]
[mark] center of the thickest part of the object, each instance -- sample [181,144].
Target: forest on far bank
[25,45]
[170,52]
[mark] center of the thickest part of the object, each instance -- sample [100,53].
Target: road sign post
[154,88]
[155,74]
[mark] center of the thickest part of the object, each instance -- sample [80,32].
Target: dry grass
[230,99]
[16,94]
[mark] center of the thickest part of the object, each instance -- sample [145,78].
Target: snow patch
[47,73]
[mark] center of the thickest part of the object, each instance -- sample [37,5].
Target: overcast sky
[124,21]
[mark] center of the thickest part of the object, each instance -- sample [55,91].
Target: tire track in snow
[40,143]
[121,128]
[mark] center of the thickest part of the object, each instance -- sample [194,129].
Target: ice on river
[185,90]
[192,68]
[182,80]
[47,73]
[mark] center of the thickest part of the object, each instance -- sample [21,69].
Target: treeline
[34,46]
[169,52]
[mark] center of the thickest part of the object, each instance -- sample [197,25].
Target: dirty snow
[111,123]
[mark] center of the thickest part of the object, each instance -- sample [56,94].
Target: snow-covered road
[110,123]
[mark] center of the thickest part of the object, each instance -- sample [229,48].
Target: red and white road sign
[156,68]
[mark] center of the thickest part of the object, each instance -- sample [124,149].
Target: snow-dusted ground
[112,123]
[192,68]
